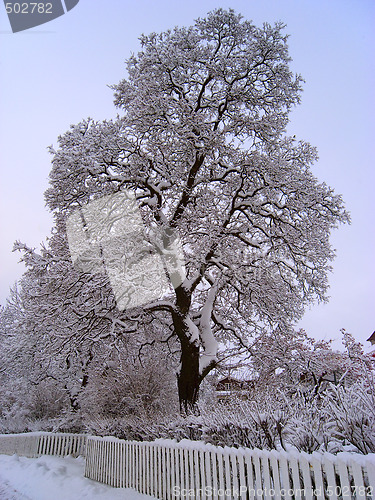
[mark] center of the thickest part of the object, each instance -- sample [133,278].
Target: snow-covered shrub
[351,412]
[182,427]
[72,422]
[305,428]
[239,424]
[14,422]
[130,427]
[14,414]
[46,400]
[128,388]
[242,423]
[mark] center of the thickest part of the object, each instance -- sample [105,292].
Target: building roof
[371,338]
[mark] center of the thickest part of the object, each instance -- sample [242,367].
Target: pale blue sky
[56,74]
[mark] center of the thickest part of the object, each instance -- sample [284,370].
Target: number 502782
[28,8]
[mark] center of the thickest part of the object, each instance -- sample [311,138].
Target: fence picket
[59,446]
[119,465]
[208,474]
[258,483]
[221,476]
[250,475]
[357,476]
[266,477]
[99,445]
[164,467]
[55,445]
[274,463]
[215,482]
[234,487]
[191,476]
[182,468]
[137,466]
[143,470]
[296,483]
[202,471]
[160,474]
[115,460]
[122,464]
[306,474]
[344,479]
[318,475]
[329,468]
[147,469]
[227,469]
[176,475]
[197,483]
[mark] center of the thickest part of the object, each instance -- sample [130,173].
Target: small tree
[202,143]
[291,362]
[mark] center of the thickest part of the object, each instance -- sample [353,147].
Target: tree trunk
[74,397]
[74,404]
[188,380]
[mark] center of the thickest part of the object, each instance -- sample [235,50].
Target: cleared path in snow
[56,478]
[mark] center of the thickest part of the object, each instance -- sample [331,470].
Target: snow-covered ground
[56,478]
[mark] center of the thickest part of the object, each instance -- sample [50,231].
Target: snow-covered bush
[305,429]
[351,413]
[129,388]
[243,423]
[46,400]
[127,427]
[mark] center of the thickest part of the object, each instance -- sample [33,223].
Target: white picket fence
[169,470]
[34,444]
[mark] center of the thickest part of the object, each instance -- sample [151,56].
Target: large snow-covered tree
[201,141]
